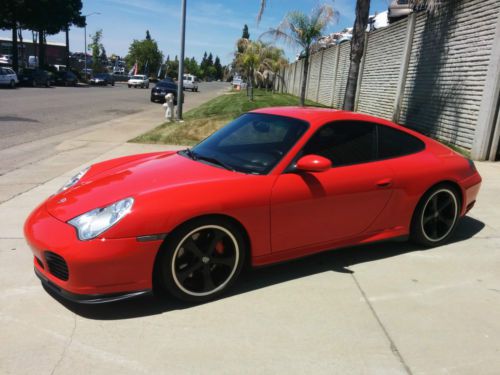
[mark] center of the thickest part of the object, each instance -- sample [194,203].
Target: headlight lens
[73,180]
[93,223]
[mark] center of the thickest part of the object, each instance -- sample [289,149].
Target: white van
[189,82]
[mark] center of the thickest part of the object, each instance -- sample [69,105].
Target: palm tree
[299,29]
[274,61]
[250,58]
[357,43]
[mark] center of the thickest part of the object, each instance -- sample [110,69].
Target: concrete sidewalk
[378,309]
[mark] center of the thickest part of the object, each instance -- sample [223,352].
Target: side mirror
[313,163]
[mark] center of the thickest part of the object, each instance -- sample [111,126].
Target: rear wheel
[202,259]
[436,216]
[12,84]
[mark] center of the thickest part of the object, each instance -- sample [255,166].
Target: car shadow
[253,279]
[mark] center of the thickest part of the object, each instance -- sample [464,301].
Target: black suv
[34,77]
[162,88]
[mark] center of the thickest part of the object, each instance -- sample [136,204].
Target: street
[36,114]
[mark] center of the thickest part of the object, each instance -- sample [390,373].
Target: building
[55,53]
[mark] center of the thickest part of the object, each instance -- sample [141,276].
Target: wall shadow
[253,279]
[433,92]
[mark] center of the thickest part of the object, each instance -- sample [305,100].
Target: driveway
[385,308]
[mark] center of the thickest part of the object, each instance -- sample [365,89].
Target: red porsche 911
[274,184]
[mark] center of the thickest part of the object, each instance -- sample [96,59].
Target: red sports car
[274,184]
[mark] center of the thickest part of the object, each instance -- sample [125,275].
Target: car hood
[135,176]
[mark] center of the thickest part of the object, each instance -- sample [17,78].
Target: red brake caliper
[219,247]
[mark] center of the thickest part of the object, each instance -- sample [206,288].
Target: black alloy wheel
[436,216]
[202,260]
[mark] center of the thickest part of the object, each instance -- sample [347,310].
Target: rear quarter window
[393,143]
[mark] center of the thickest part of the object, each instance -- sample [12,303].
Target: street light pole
[85,41]
[180,79]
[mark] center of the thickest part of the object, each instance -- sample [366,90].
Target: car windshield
[138,77]
[253,143]
[102,75]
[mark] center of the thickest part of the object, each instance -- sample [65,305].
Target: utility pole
[85,41]
[180,80]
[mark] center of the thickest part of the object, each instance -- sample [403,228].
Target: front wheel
[202,259]
[436,216]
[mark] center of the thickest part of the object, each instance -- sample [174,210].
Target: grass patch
[202,121]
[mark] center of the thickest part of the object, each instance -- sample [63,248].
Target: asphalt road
[34,121]
[29,114]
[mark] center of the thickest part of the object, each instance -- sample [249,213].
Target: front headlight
[93,223]
[73,180]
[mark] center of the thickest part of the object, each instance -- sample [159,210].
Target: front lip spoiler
[89,299]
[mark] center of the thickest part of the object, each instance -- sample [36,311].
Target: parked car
[62,78]
[8,77]
[190,82]
[162,88]
[273,185]
[102,79]
[35,77]
[139,80]
[5,59]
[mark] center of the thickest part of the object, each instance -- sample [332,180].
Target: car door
[3,77]
[342,202]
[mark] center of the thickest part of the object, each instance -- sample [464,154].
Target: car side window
[344,143]
[393,143]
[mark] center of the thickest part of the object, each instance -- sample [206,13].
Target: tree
[274,61]
[357,50]
[11,19]
[146,53]
[250,60]
[219,71]
[49,17]
[97,49]
[357,43]
[302,30]
[245,34]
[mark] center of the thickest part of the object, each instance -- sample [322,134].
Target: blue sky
[211,25]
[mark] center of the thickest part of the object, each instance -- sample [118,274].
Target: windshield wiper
[195,156]
[213,160]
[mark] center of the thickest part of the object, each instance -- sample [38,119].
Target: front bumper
[90,299]
[97,270]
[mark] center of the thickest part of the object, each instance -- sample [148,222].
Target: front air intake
[57,265]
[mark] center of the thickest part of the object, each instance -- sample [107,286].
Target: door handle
[384,183]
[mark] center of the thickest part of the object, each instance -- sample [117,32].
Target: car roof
[318,116]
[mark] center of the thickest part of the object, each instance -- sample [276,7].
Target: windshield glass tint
[253,143]
[138,77]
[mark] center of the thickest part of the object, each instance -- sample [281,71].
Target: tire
[147,86]
[12,84]
[112,83]
[192,266]
[129,86]
[34,83]
[436,216]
